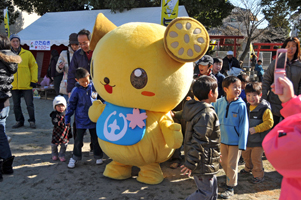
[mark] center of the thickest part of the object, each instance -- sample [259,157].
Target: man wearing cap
[64,61]
[228,62]
[203,67]
[81,58]
[24,80]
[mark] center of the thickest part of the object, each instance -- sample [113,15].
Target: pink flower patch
[136,119]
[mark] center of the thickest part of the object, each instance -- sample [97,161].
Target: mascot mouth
[147,93]
[108,88]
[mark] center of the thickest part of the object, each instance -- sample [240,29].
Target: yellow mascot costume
[142,71]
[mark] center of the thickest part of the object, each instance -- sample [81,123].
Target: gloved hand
[33,84]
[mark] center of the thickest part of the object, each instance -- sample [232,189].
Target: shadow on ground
[38,177]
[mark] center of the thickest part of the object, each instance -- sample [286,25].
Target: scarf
[16,52]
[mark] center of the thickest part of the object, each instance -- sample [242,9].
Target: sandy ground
[36,176]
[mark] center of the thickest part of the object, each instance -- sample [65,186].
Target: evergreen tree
[43,6]
[209,13]
[276,13]
[12,13]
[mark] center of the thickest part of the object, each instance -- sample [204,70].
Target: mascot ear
[186,39]
[101,27]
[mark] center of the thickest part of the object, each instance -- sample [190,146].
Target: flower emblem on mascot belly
[122,126]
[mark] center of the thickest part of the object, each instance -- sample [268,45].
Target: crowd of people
[70,73]
[225,116]
[236,123]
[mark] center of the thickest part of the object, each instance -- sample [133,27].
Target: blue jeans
[4,146]
[28,97]
[3,115]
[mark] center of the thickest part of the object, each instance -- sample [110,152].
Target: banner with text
[169,11]
[6,22]
[40,45]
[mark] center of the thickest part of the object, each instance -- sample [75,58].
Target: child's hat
[205,60]
[59,100]
[230,53]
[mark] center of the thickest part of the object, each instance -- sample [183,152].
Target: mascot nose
[106,80]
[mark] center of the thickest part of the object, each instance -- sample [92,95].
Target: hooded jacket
[8,66]
[79,103]
[234,123]
[282,149]
[202,138]
[293,72]
[27,71]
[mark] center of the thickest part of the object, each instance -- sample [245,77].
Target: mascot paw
[118,171]
[175,127]
[95,110]
[175,138]
[150,174]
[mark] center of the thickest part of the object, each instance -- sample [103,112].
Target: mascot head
[144,65]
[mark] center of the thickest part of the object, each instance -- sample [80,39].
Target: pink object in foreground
[136,119]
[282,148]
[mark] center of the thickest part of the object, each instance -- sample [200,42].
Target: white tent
[57,26]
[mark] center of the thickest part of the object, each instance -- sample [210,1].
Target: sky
[238,3]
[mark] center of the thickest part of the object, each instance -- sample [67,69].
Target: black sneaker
[256,180]
[243,171]
[32,125]
[228,193]
[91,153]
[18,125]
[241,161]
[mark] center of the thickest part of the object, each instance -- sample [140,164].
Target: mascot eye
[138,78]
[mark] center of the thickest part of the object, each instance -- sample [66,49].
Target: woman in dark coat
[293,72]
[8,66]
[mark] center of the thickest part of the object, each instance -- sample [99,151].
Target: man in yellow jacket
[24,80]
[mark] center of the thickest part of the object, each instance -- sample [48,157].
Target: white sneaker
[8,139]
[99,161]
[71,163]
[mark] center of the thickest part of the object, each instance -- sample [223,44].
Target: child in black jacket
[202,139]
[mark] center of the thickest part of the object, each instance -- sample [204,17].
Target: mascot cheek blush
[142,71]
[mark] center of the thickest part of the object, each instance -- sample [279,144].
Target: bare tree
[273,35]
[250,15]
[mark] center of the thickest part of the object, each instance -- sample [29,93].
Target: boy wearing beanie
[61,132]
